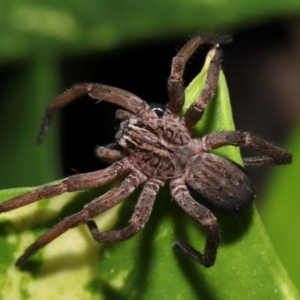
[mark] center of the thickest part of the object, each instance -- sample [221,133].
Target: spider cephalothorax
[153,148]
[158,147]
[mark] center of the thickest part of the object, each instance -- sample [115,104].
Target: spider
[153,147]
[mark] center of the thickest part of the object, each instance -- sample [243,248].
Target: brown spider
[153,150]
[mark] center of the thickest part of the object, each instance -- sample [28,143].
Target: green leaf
[146,266]
[281,208]
[218,115]
[26,94]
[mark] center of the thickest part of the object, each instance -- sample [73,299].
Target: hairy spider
[154,149]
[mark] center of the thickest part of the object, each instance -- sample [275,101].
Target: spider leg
[274,154]
[258,161]
[96,91]
[108,154]
[196,110]
[175,83]
[70,184]
[123,115]
[139,218]
[90,210]
[204,217]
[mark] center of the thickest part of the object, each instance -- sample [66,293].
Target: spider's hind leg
[272,153]
[204,217]
[139,218]
[90,210]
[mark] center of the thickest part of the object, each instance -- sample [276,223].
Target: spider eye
[159,109]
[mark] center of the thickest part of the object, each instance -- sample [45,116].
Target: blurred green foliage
[32,27]
[36,34]
[281,208]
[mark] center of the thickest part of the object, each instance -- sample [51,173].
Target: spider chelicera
[152,150]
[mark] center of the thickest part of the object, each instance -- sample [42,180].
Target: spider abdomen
[225,186]
[157,148]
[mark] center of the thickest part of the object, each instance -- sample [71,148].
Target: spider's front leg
[273,154]
[203,216]
[96,91]
[70,184]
